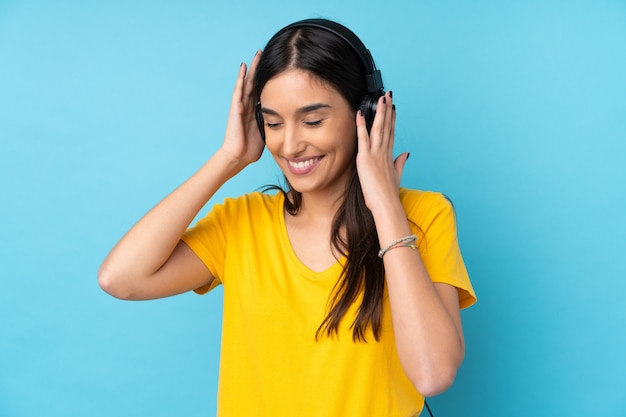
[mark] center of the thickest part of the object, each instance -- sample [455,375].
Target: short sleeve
[433,219]
[208,239]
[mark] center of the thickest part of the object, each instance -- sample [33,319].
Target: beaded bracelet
[405,241]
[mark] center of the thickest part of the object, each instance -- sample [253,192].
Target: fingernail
[360,112]
[407,156]
[384,100]
[390,94]
[393,106]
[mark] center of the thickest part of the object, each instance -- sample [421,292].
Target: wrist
[231,164]
[409,241]
[387,207]
[391,222]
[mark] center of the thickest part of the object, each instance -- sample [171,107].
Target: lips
[303,166]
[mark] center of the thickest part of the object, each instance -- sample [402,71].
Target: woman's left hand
[379,173]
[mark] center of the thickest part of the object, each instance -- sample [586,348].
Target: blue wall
[516,110]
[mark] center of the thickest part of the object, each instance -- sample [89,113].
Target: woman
[341,293]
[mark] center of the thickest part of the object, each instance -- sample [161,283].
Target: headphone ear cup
[259,120]
[368,108]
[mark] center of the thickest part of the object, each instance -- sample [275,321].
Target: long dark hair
[330,59]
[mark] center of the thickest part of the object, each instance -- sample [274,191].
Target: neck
[319,206]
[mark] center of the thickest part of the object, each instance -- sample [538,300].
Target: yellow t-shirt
[270,362]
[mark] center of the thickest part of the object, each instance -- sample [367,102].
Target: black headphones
[373,79]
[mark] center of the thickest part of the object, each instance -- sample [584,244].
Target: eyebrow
[301,110]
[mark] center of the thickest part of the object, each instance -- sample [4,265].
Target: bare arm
[150,261]
[425,316]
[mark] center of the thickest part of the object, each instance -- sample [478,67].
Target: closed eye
[314,123]
[272,125]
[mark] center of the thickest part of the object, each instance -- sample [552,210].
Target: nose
[293,145]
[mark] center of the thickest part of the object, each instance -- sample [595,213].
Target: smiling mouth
[304,164]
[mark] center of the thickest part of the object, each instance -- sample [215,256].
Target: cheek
[271,141]
[349,137]
[273,147]
[274,153]
[347,127]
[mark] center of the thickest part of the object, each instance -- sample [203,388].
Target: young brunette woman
[342,292]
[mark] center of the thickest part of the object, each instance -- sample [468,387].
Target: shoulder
[232,210]
[432,213]
[252,201]
[420,203]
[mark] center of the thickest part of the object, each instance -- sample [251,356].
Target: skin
[312,126]
[310,133]
[425,315]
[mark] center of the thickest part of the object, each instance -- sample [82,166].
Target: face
[310,131]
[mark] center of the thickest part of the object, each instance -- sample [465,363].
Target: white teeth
[303,164]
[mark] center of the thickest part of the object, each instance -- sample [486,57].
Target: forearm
[425,316]
[147,260]
[150,242]
[429,341]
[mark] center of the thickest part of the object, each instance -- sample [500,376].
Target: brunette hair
[332,60]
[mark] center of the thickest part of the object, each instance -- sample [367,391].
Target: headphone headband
[373,79]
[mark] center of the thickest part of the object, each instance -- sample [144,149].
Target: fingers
[361,131]
[382,132]
[249,81]
[238,90]
[399,163]
[389,112]
[377,169]
[245,79]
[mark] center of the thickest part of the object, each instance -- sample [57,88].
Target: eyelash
[311,124]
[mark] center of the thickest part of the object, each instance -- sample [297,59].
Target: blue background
[516,110]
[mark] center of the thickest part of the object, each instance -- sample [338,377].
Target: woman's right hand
[242,142]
